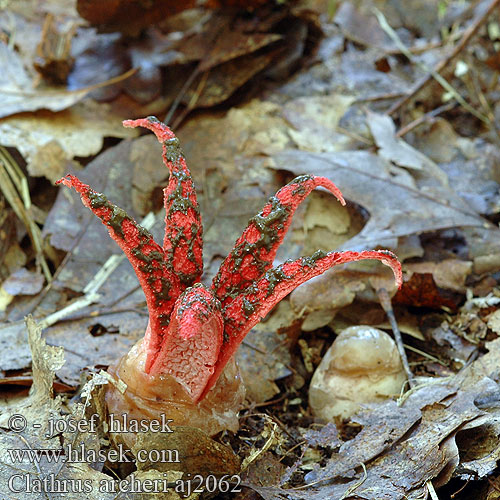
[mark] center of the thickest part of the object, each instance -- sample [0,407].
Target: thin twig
[467,36]
[180,95]
[194,99]
[424,354]
[272,427]
[357,485]
[94,284]
[14,186]
[434,381]
[431,490]
[434,74]
[424,118]
[385,302]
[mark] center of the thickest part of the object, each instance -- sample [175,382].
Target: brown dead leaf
[366,311]
[449,274]
[14,349]
[48,141]
[128,16]
[54,59]
[198,453]
[315,120]
[396,468]
[494,321]
[23,282]
[397,205]
[12,257]
[404,445]
[95,341]
[263,358]
[18,93]
[148,180]
[22,33]
[327,224]
[320,300]
[38,409]
[361,28]
[241,4]
[220,83]
[397,150]
[45,361]
[327,436]
[36,9]
[420,290]
[98,57]
[233,44]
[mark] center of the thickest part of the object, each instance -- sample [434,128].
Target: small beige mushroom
[361,366]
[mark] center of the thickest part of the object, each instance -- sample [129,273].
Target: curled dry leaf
[397,150]
[197,452]
[128,16]
[397,205]
[18,93]
[48,141]
[23,282]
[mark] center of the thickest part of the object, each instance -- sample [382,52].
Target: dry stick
[422,119]
[180,95]
[194,99]
[61,266]
[94,284]
[14,186]
[442,81]
[431,490]
[385,302]
[468,34]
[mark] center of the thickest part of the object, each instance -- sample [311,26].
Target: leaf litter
[427,198]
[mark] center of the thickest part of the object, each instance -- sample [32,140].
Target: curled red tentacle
[193,331]
[160,285]
[252,304]
[254,251]
[183,243]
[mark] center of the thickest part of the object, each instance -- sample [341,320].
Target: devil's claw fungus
[182,365]
[361,366]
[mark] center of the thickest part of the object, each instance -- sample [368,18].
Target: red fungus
[193,331]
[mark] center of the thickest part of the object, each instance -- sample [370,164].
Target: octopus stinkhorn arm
[193,330]
[183,241]
[253,304]
[254,251]
[160,284]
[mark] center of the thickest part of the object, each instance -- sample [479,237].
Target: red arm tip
[162,132]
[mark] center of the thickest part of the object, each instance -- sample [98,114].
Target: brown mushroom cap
[359,350]
[361,366]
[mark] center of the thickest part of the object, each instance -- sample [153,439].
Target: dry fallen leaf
[48,141]
[39,409]
[128,16]
[361,28]
[23,282]
[395,468]
[19,94]
[263,358]
[315,120]
[398,206]
[197,453]
[397,150]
